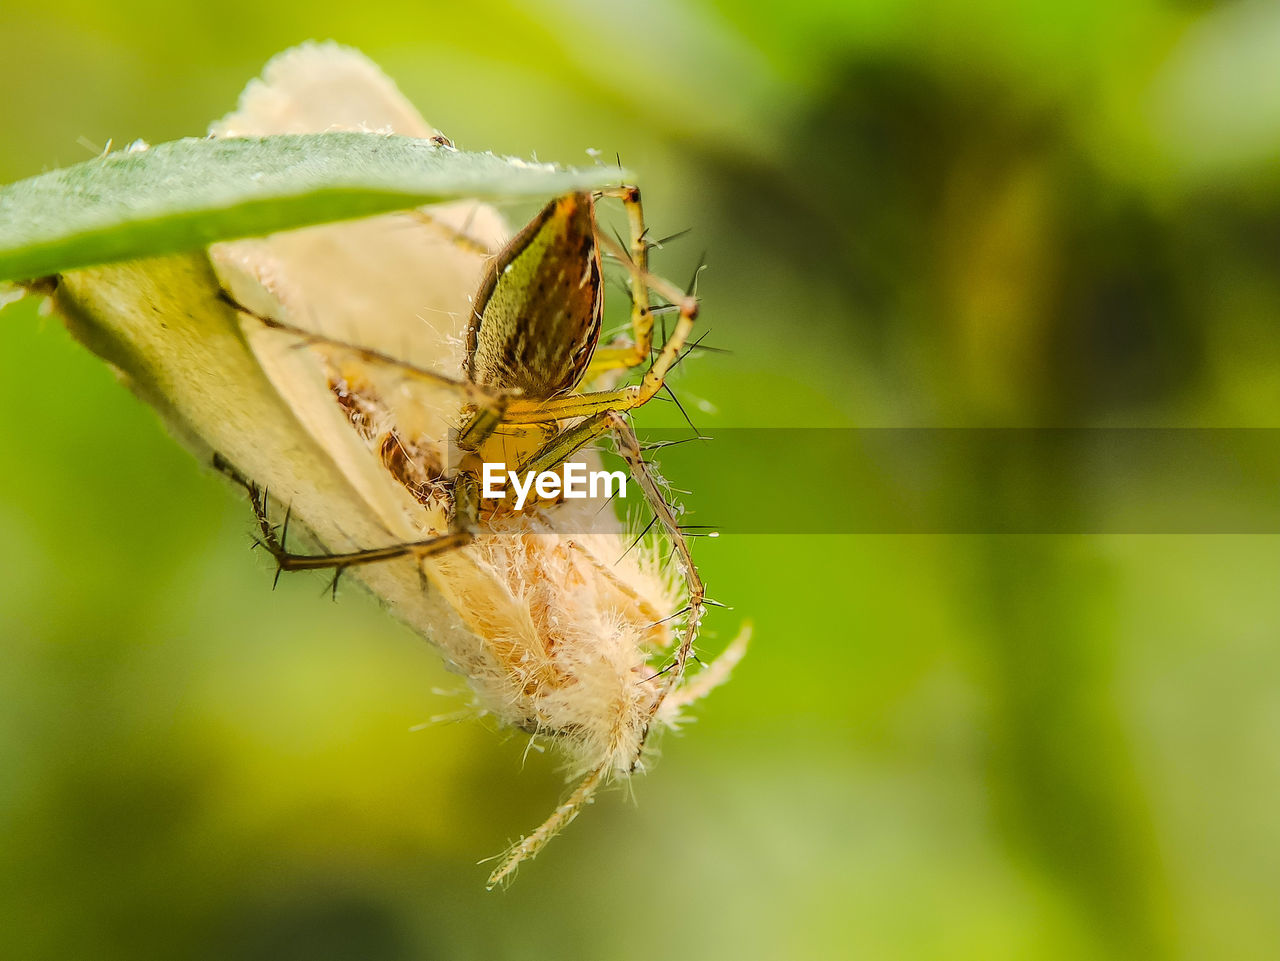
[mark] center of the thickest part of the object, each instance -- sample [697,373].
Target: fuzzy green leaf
[190,193]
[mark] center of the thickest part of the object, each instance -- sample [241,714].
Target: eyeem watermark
[575,483]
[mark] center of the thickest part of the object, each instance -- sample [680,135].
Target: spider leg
[629,449]
[551,454]
[287,560]
[521,410]
[605,571]
[636,259]
[485,407]
[456,235]
[563,445]
[470,392]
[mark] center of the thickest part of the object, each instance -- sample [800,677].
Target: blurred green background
[979,213]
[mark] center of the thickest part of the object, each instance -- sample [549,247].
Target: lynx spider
[531,345]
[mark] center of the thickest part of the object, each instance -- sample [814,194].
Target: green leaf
[190,193]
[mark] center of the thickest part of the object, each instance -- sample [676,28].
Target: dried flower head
[335,368]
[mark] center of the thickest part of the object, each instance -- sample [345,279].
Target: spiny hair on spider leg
[658,244]
[692,289]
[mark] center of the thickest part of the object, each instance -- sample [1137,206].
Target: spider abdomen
[536,318]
